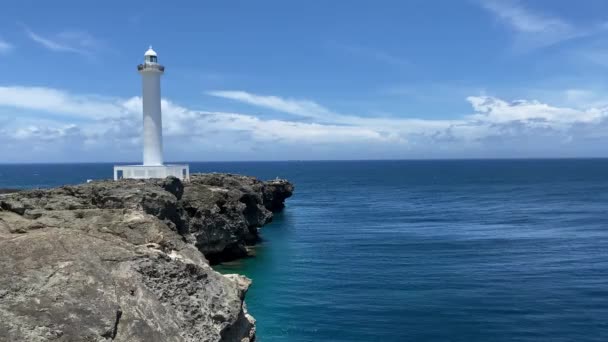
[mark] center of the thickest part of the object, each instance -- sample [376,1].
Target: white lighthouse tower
[152,136]
[153,126]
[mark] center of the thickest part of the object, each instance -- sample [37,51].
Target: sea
[442,250]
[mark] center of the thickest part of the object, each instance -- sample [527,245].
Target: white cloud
[5,47]
[105,128]
[491,109]
[524,20]
[320,114]
[184,122]
[534,29]
[60,102]
[302,108]
[43,133]
[99,122]
[492,118]
[79,42]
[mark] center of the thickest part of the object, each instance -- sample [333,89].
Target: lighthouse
[152,137]
[152,132]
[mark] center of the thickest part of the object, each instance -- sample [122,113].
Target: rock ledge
[128,260]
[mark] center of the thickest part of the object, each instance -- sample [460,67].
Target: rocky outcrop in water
[127,260]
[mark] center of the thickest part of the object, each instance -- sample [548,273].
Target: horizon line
[314,160]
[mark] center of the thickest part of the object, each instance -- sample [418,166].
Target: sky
[306,80]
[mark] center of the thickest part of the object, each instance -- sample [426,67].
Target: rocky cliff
[128,260]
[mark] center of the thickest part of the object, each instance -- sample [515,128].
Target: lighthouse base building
[181,171]
[153,166]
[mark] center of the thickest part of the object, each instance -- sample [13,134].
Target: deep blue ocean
[471,250]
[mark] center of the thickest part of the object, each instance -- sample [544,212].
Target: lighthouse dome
[150,52]
[150,57]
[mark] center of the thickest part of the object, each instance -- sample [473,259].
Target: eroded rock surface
[125,261]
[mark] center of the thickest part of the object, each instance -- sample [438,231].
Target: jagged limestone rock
[124,261]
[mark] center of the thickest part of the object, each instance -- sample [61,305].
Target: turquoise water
[496,250]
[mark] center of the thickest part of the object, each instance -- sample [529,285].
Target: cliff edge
[129,260]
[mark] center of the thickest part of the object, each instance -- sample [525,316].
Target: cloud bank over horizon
[81,128]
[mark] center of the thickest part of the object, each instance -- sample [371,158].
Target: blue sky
[277,80]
